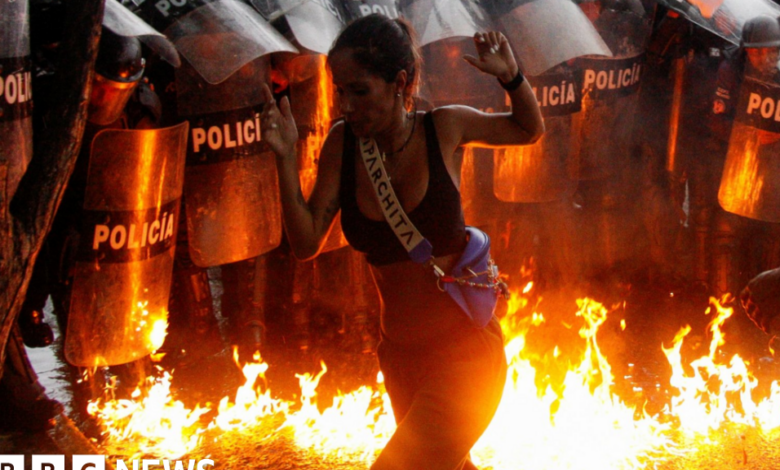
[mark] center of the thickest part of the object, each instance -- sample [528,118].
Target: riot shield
[610,94]
[122,275]
[750,185]
[217,37]
[434,20]
[724,18]
[546,170]
[605,124]
[315,24]
[443,60]
[231,190]
[313,109]
[545,33]
[123,22]
[15,92]
[626,31]
[480,206]
[359,8]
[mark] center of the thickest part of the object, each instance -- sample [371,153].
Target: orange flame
[356,425]
[542,428]
[716,393]
[250,405]
[310,148]
[579,425]
[158,424]
[743,176]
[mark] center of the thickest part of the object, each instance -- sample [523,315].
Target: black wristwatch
[513,84]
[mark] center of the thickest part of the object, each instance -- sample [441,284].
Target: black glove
[35,332]
[761,301]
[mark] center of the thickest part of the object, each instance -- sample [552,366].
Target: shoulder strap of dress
[349,139]
[348,151]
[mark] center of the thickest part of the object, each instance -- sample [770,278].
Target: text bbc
[98,462]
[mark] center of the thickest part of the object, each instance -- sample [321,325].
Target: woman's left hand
[278,126]
[495,56]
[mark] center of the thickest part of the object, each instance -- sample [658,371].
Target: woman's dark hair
[384,47]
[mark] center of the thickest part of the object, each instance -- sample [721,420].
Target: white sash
[419,248]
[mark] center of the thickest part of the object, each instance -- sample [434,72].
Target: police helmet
[761,31]
[119,57]
[118,69]
[624,6]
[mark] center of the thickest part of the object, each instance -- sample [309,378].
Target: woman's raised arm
[306,223]
[522,125]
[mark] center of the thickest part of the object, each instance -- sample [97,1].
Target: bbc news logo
[98,462]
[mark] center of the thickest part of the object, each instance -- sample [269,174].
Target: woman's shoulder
[337,128]
[333,146]
[337,132]
[451,114]
[449,121]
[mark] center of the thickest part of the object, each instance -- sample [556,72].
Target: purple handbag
[474,283]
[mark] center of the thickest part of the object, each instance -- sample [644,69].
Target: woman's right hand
[277,126]
[495,56]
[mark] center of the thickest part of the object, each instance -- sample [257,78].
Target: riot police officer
[118,71]
[754,145]
[735,253]
[697,138]
[118,68]
[605,157]
[761,297]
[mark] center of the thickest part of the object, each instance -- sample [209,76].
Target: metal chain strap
[494,280]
